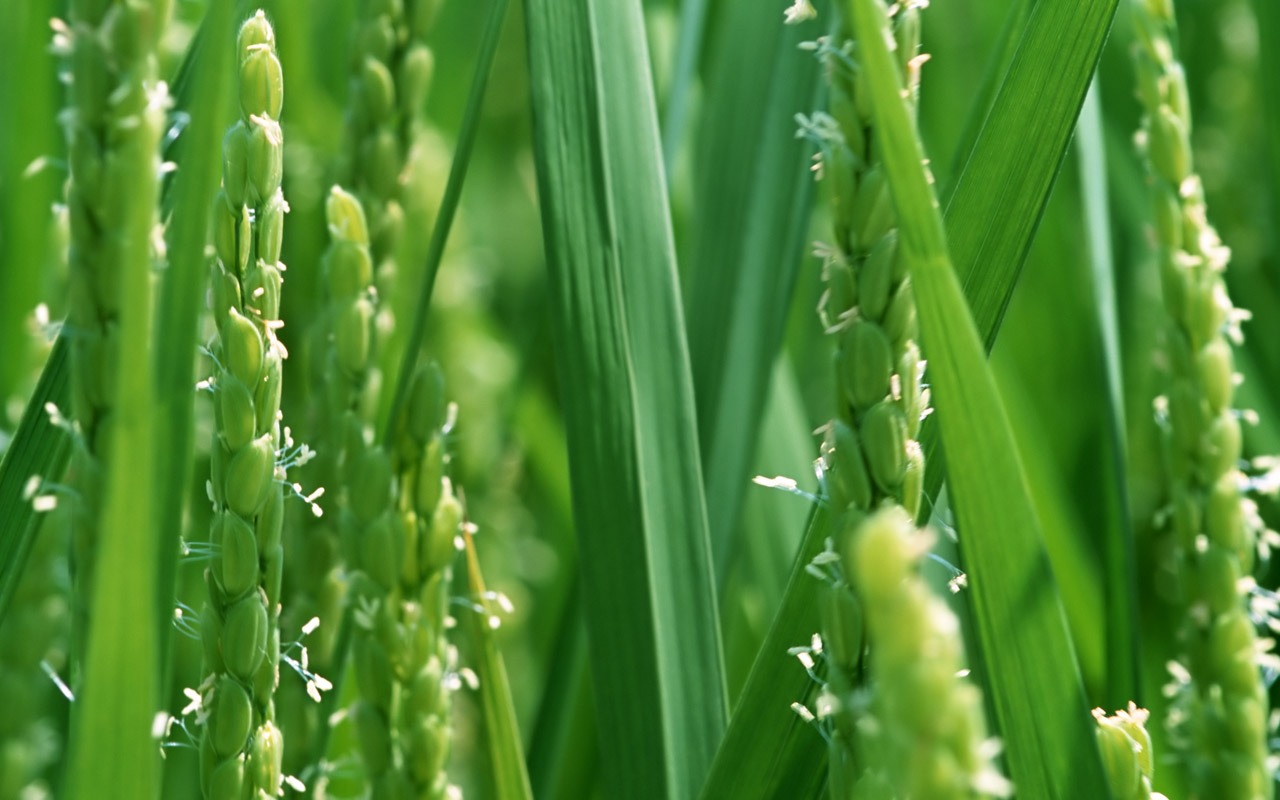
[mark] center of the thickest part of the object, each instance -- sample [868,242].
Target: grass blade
[448,206]
[789,760]
[1000,196]
[39,448]
[1025,643]
[745,252]
[202,93]
[502,736]
[623,362]
[1121,580]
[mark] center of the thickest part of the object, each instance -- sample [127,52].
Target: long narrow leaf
[448,206]
[1121,580]
[624,368]
[39,451]
[752,198]
[202,92]
[768,750]
[1022,626]
[502,736]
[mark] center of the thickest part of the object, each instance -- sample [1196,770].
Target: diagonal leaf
[202,91]
[502,736]
[752,196]
[1022,627]
[624,369]
[1121,580]
[1062,39]
[39,449]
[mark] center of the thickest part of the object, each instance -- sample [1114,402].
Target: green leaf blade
[624,367]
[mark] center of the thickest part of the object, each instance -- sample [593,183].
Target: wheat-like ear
[922,730]
[241,747]
[1219,702]
[870,457]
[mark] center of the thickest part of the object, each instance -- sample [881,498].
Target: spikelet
[1219,702]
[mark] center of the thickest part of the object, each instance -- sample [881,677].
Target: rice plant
[664,399]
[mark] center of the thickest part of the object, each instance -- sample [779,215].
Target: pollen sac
[842,626]
[1219,579]
[848,483]
[382,162]
[261,84]
[1168,217]
[900,320]
[1120,759]
[1232,645]
[875,278]
[238,558]
[266,757]
[250,476]
[235,412]
[1214,364]
[842,291]
[267,676]
[262,289]
[235,165]
[884,438]
[266,159]
[224,238]
[380,547]
[1223,451]
[271,232]
[269,524]
[878,557]
[244,637]
[346,218]
[211,638]
[227,781]
[234,718]
[255,34]
[242,349]
[429,483]
[1224,519]
[377,91]
[92,84]
[913,480]
[349,269]
[416,70]
[353,336]
[370,480]
[426,411]
[872,208]
[1170,147]
[267,400]
[446,523]
[869,365]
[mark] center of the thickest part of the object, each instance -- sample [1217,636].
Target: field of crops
[639,398]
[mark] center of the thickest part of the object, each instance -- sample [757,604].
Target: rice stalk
[241,747]
[114,123]
[1127,753]
[406,670]
[870,456]
[1219,706]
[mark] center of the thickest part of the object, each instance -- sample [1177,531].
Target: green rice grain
[241,747]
